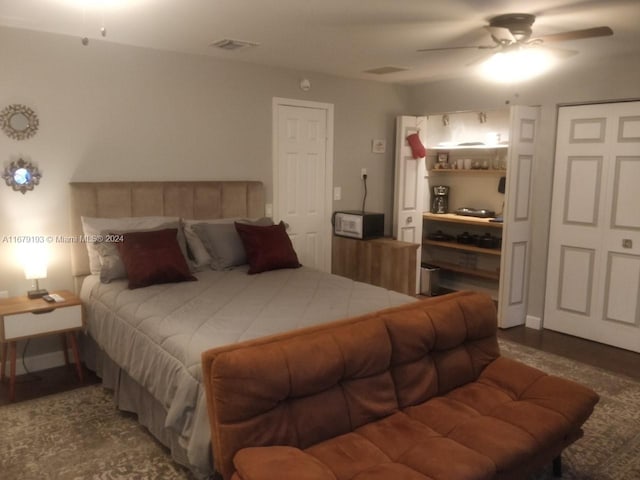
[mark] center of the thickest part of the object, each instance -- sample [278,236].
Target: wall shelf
[467,271]
[471,171]
[463,247]
[453,218]
[441,148]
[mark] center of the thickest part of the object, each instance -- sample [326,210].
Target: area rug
[80,435]
[610,448]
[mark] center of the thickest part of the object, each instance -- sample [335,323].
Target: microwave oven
[358,224]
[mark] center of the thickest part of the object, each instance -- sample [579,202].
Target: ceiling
[338,37]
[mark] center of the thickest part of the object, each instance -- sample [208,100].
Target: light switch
[337,193]
[268,209]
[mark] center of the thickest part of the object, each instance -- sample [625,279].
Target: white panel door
[516,232]
[409,186]
[593,273]
[302,180]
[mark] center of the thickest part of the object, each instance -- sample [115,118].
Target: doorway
[303,177]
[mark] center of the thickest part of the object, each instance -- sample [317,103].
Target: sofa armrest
[267,463]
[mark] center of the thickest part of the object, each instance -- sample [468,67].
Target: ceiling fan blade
[501,34]
[477,61]
[437,49]
[560,53]
[576,34]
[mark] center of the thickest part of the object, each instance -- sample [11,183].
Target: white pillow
[93,227]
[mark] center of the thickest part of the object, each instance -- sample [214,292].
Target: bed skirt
[130,396]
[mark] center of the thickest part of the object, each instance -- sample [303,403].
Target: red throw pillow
[267,247]
[153,257]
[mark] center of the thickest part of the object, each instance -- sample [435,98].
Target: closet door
[409,187]
[593,273]
[516,232]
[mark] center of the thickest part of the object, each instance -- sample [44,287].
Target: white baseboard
[40,362]
[533,322]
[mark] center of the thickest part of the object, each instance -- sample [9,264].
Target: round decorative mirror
[21,176]
[19,122]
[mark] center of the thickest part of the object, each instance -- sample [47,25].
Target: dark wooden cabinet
[385,262]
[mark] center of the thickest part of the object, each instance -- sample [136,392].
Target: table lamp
[35,268]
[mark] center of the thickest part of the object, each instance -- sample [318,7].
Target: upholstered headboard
[192,200]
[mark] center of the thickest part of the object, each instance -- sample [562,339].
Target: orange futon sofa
[415,392]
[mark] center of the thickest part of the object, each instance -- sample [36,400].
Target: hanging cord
[364,199]
[24,365]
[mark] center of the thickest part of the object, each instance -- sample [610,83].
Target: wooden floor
[46,382]
[597,354]
[627,363]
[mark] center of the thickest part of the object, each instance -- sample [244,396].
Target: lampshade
[34,262]
[33,270]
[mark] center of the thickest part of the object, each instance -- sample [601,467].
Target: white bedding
[157,334]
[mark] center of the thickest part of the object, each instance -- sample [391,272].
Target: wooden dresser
[384,262]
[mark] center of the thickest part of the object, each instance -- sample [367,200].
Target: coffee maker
[440,201]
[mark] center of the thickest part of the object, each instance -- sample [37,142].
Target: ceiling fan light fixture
[516,65]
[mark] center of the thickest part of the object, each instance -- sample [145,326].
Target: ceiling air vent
[386,70]
[233,45]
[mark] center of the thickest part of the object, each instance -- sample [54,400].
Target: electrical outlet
[337,193]
[4,294]
[363,172]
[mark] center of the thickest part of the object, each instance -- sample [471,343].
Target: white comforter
[158,333]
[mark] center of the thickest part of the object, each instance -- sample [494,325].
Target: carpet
[80,435]
[610,448]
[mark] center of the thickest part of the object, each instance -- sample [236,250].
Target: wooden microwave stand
[384,262]
[22,318]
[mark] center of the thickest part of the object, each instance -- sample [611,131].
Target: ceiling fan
[513,30]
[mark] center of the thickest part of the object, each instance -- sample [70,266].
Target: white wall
[612,79]
[111,112]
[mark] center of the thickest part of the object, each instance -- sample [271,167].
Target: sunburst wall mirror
[21,176]
[19,122]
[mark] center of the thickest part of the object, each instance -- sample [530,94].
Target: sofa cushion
[260,463]
[481,430]
[396,447]
[510,413]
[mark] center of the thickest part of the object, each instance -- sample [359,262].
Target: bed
[146,343]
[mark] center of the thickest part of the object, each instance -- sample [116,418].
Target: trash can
[429,279]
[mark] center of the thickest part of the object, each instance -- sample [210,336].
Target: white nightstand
[22,318]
